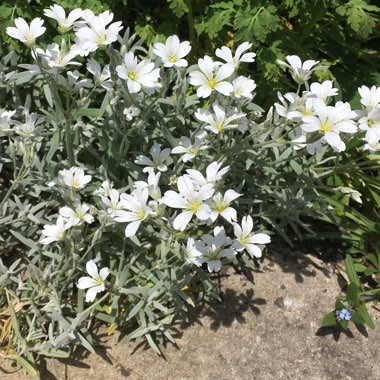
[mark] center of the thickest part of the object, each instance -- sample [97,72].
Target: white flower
[371,124]
[5,122]
[55,232]
[131,112]
[245,239]
[293,107]
[194,251]
[226,54]
[219,121]
[331,121]
[25,33]
[74,177]
[96,34]
[188,149]
[220,205]
[57,13]
[351,193]
[190,200]
[322,90]
[137,210]
[213,174]
[215,250]
[78,215]
[151,185]
[300,142]
[95,283]
[172,52]
[71,83]
[31,128]
[157,162]
[138,74]
[113,203]
[55,58]
[44,59]
[211,77]
[104,189]
[370,97]
[101,77]
[243,87]
[301,72]
[373,145]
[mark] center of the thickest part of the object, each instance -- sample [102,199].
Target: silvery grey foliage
[125,175]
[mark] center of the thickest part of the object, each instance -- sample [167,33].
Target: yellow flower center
[219,127]
[101,39]
[244,239]
[194,207]
[212,83]
[220,207]
[29,40]
[325,126]
[141,214]
[307,112]
[63,29]
[194,151]
[172,58]
[75,183]
[99,281]
[79,214]
[132,75]
[213,256]
[371,123]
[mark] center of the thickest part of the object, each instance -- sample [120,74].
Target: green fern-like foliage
[361,16]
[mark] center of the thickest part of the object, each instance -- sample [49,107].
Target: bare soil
[266,327]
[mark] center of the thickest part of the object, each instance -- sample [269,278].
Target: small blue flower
[343,314]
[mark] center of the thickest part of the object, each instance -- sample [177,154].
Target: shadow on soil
[295,260]
[233,305]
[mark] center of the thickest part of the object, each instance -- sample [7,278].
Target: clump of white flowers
[151,168]
[317,121]
[95,282]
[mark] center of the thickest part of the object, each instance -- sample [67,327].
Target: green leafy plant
[357,216]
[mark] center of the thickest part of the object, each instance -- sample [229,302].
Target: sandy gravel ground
[266,328]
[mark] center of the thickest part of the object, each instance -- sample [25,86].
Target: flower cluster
[69,182]
[212,249]
[369,117]
[186,172]
[316,121]
[215,76]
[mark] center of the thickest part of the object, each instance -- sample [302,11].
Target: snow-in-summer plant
[129,179]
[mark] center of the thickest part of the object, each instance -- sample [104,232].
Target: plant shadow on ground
[231,309]
[57,368]
[233,306]
[299,258]
[336,332]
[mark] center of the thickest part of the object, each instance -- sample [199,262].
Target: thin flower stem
[65,112]
[68,139]
[13,158]
[23,171]
[57,99]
